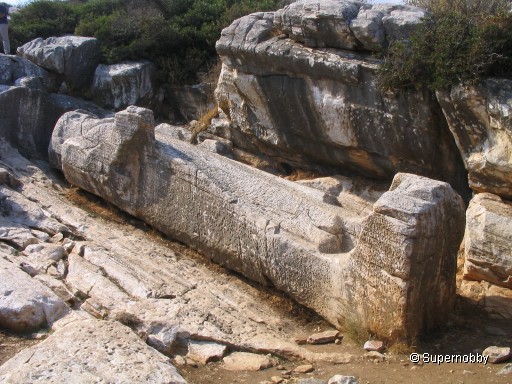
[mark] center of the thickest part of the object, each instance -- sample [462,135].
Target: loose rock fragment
[323,337]
[304,368]
[339,379]
[244,361]
[374,345]
[204,352]
[497,354]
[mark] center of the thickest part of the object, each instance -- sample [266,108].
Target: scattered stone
[244,361]
[281,368]
[90,351]
[204,352]
[337,341]
[506,370]
[466,372]
[375,356]
[339,379]
[304,368]
[374,345]
[277,379]
[497,354]
[310,381]
[324,337]
[301,340]
[179,360]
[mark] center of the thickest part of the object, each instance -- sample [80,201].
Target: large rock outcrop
[304,105]
[324,253]
[73,57]
[119,85]
[488,252]
[480,118]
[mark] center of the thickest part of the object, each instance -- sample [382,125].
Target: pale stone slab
[90,351]
[244,361]
[26,304]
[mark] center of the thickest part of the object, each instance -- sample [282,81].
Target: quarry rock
[29,116]
[13,69]
[119,85]
[26,304]
[479,118]
[88,351]
[314,250]
[73,57]
[305,106]
[487,251]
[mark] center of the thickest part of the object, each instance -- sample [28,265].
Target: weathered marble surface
[327,256]
[73,57]
[305,105]
[119,85]
[90,351]
[488,251]
[480,118]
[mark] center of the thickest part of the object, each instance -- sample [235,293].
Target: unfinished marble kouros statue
[386,260]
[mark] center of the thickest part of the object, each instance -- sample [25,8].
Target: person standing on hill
[4,33]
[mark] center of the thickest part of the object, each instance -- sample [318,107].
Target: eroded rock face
[488,252]
[25,303]
[276,231]
[303,105]
[74,57]
[120,85]
[29,116]
[90,351]
[480,118]
[14,69]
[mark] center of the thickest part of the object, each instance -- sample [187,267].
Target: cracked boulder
[119,85]
[326,255]
[73,57]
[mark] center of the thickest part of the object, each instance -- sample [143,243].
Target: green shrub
[42,18]
[177,35]
[450,47]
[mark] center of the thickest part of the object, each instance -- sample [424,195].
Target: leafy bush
[451,47]
[177,35]
[42,18]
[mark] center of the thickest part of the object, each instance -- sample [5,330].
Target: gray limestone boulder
[90,351]
[29,117]
[319,23]
[25,304]
[402,21]
[73,57]
[326,255]
[480,120]
[301,106]
[488,254]
[119,85]
[13,71]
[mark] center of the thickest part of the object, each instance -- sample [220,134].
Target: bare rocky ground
[155,285]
